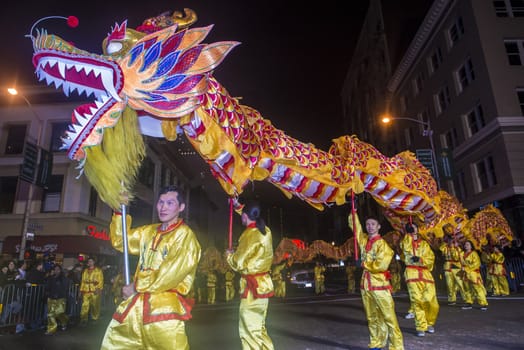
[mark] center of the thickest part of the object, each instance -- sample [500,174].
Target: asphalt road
[318,322]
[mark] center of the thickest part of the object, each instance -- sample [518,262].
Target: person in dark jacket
[57,291]
[36,275]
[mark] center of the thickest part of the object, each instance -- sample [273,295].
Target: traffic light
[29,254]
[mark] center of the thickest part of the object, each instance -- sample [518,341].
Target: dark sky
[290,66]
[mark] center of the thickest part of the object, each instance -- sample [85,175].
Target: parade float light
[427,131]
[27,212]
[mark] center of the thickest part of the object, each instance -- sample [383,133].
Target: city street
[323,322]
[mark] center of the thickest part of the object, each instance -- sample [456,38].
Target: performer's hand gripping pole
[124,244]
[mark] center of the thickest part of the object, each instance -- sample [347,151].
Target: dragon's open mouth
[83,73]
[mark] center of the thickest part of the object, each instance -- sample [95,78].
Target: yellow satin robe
[497,271]
[91,287]
[211,287]
[420,282]
[319,279]
[153,318]
[56,309]
[252,260]
[452,267]
[375,288]
[279,281]
[229,277]
[473,279]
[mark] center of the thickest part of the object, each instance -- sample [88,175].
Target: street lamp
[27,214]
[386,119]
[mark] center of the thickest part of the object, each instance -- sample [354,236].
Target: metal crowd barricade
[20,304]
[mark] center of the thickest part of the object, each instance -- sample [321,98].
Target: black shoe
[467,307]
[452,303]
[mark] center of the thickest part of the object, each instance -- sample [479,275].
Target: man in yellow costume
[279,281]
[451,254]
[375,288]
[211,287]
[419,260]
[155,307]
[319,270]
[229,278]
[91,288]
[351,269]
[252,260]
[497,271]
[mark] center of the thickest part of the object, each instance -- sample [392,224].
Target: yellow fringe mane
[112,166]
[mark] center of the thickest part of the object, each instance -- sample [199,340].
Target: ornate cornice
[435,13]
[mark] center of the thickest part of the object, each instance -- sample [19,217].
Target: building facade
[67,206]
[459,91]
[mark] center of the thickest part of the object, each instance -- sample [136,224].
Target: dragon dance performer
[375,288]
[451,253]
[91,287]
[497,271]
[252,260]
[211,287]
[319,270]
[229,277]
[473,282]
[419,259]
[154,309]
[279,281]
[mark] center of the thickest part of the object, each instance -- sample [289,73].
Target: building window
[465,75]
[442,100]
[8,185]
[520,95]
[460,181]
[58,131]
[435,60]
[485,171]
[456,31]
[450,139]
[53,194]
[15,139]
[418,84]
[509,8]
[475,120]
[515,51]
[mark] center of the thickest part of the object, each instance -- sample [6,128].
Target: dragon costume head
[159,71]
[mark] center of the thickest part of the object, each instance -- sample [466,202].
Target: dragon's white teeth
[61,69]
[107,80]
[80,118]
[88,69]
[49,79]
[77,128]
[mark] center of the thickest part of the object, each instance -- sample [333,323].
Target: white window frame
[491,176]
[439,107]
[437,52]
[480,121]
[464,75]
[519,53]
[509,9]
[520,98]
[458,26]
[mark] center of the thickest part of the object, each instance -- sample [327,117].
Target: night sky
[290,65]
